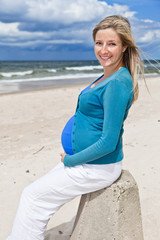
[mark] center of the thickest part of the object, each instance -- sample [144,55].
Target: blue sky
[62,29]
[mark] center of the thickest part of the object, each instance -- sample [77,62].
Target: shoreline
[26,86]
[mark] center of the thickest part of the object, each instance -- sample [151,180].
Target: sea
[17,76]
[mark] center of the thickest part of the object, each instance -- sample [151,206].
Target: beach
[31,123]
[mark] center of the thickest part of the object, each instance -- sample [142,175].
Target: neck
[109,71]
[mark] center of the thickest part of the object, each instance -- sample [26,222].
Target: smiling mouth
[105,58]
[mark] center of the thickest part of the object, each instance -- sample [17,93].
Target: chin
[106,64]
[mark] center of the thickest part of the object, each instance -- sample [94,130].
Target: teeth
[105,57]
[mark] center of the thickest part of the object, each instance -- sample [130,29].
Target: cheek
[96,50]
[117,52]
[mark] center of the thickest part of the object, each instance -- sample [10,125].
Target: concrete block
[112,213]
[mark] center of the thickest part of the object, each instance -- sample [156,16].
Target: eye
[98,43]
[112,44]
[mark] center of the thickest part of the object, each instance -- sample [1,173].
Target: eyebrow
[108,40]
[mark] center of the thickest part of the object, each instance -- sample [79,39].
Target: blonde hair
[131,57]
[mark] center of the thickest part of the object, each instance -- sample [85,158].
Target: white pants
[41,199]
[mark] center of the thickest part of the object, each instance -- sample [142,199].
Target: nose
[104,48]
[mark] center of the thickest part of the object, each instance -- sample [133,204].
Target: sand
[30,130]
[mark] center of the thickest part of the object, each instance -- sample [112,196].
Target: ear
[124,48]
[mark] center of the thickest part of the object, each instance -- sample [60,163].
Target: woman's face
[109,49]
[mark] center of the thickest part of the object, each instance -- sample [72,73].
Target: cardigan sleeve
[115,99]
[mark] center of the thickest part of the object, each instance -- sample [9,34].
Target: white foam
[11,74]
[82,68]
[51,70]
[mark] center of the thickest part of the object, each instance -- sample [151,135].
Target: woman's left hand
[62,156]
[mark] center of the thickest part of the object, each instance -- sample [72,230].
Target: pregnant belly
[66,139]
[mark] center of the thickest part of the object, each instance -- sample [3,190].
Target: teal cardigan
[98,127]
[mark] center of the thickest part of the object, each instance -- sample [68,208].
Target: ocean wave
[151,74]
[61,77]
[51,70]
[11,74]
[84,68]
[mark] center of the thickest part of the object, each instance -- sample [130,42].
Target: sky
[62,29]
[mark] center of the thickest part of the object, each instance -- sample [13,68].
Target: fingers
[62,156]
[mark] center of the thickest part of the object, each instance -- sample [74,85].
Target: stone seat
[112,213]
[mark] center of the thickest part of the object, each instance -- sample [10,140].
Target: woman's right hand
[62,156]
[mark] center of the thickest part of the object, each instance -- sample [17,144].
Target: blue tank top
[67,132]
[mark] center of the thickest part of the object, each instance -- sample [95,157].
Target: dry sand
[30,130]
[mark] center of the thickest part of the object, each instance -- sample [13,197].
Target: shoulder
[121,81]
[118,83]
[124,77]
[119,87]
[116,86]
[120,78]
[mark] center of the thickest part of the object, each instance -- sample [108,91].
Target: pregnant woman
[92,138]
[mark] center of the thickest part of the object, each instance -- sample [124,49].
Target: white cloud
[147,37]
[12,36]
[72,11]
[146,32]
[8,29]
[122,10]
[147,20]
[150,36]
[36,43]
[64,12]
[11,30]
